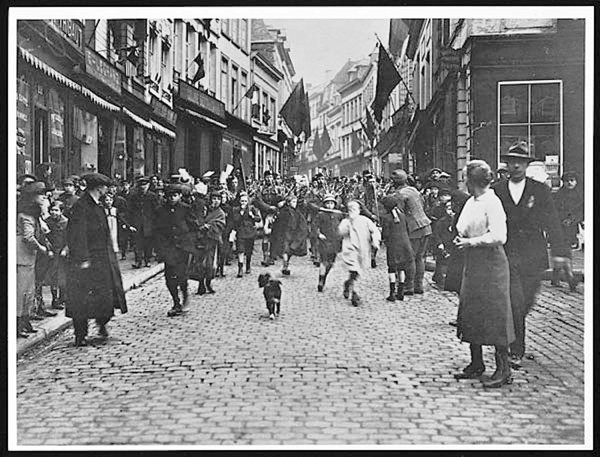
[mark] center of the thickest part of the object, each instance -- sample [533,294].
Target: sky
[318,45]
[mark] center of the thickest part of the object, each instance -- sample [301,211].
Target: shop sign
[99,68]
[191,94]
[69,29]
[394,157]
[163,111]
[23,127]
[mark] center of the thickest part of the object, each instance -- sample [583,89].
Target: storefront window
[531,111]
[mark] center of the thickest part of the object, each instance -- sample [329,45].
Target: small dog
[272,293]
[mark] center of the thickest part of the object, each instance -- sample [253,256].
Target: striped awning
[159,128]
[37,63]
[141,121]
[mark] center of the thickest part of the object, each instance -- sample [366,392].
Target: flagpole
[401,78]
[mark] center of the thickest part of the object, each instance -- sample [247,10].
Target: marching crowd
[490,244]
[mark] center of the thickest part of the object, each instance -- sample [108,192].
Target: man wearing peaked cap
[142,204]
[95,180]
[142,180]
[530,212]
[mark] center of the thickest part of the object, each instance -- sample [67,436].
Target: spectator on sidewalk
[30,244]
[57,243]
[484,310]
[532,222]
[94,282]
[68,197]
[441,241]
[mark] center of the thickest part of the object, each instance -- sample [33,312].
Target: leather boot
[21,333]
[240,270]
[476,368]
[555,281]
[392,296]
[286,271]
[502,375]
[185,293]
[400,291]
[248,269]
[321,284]
[209,288]
[26,325]
[201,287]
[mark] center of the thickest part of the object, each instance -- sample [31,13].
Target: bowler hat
[519,150]
[37,187]
[94,180]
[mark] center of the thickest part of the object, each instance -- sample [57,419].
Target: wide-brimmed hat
[519,150]
[94,180]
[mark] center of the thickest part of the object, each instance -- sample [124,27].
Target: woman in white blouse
[484,312]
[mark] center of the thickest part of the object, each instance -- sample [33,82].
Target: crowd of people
[489,244]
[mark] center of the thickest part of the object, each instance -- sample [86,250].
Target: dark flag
[387,78]
[200,72]
[370,131]
[250,92]
[294,111]
[325,141]
[316,146]
[356,143]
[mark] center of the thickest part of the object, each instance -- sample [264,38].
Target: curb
[61,322]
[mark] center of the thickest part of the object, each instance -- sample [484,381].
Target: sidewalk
[48,327]
[578,266]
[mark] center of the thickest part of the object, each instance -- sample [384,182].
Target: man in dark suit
[142,205]
[94,282]
[532,221]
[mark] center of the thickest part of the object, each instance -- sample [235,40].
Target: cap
[94,180]
[68,182]
[329,198]
[267,173]
[142,180]
[519,150]
[173,188]
[37,187]
[570,174]
[439,170]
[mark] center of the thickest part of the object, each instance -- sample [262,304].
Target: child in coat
[57,242]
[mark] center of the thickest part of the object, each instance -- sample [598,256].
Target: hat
[389,202]
[74,177]
[26,177]
[208,174]
[570,174]
[443,174]
[439,170]
[37,187]
[267,173]
[519,150]
[142,180]
[329,198]
[94,180]
[400,175]
[68,182]
[173,188]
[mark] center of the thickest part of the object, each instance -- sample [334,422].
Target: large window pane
[513,104]
[545,140]
[545,103]
[510,135]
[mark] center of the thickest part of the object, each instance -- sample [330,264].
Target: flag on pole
[306,124]
[200,73]
[325,141]
[387,78]
[250,92]
[294,110]
[316,146]
[370,131]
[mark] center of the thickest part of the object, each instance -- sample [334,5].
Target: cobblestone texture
[324,372]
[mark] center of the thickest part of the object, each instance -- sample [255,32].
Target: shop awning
[159,128]
[205,118]
[141,121]
[37,63]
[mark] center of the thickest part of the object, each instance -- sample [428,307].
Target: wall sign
[99,68]
[69,29]
[163,111]
[200,99]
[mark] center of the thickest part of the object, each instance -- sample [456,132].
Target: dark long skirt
[484,311]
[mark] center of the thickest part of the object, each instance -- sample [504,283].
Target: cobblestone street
[324,372]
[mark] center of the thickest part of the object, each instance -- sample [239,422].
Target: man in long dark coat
[532,221]
[94,284]
[142,205]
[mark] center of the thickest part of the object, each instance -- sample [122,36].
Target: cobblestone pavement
[324,372]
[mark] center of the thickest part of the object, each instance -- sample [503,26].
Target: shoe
[102,331]
[320,288]
[45,313]
[147,265]
[22,334]
[400,292]
[248,271]
[123,256]
[419,291]
[136,265]
[285,272]
[470,372]
[515,361]
[409,292]
[356,301]
[573,285]
[346,288]
[57,306]
[502,375]
[201,288]
[271,316]
[35,317]
[80,341]
[175,311]
[453,323]
[316,264]
[391,297]
[373,263]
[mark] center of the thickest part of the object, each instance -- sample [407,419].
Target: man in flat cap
[530,212]
[142,206]
[175,230]
[94,284]
[68,197]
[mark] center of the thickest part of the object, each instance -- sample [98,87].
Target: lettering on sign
[102,70]
[71,30]
[200,99]
[163,111]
